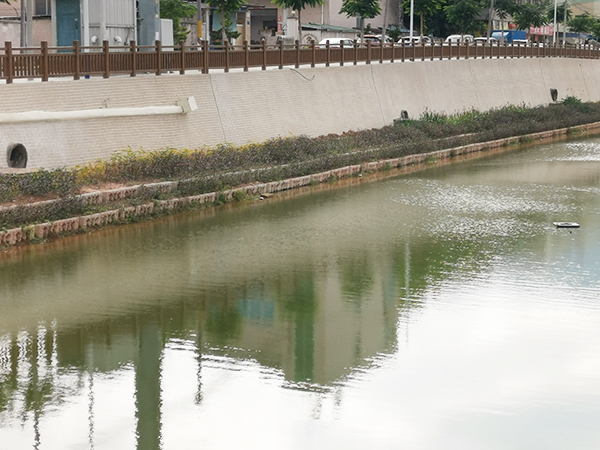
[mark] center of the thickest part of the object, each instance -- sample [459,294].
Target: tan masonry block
[203,198]
[42,230]
[14,236]
[120,194]
[65,226]
[146,209]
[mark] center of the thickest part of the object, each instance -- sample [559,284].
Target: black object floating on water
[566,224]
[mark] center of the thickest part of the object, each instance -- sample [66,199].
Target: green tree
[424,8]
[298,5]
[583,23]
[503,9]
[363,9]
[226,8]
[560,13]
[595,30]
[463,14]
[529,14]
[176,10]
[395,32]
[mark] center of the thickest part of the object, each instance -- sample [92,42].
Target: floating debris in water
[566,224]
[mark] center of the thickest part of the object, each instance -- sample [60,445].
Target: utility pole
[199,20]
[490,19]
[29,38]
[384,28]
[23,24]
[412,19]
[565,26]
[554,30]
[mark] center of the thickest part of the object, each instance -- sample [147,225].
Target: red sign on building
[546,30]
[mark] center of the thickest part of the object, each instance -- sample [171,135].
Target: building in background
[60,22]
[262,19]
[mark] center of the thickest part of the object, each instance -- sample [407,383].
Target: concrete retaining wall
[254,106]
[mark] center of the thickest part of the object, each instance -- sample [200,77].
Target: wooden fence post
[182,54]
[158,49]
[281,54]
[133,54]
[355,53]
[314,53]
[106,58]
[246,56]
[341,53]
[77,54]
[368,52]
[328,54]
[9,63]
[44,61]
[227,56]
[297,43]
[205,57]
[264,54]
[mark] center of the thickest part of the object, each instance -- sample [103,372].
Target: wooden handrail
[45,62]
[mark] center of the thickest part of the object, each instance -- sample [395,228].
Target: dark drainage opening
[554,94]
[17,156]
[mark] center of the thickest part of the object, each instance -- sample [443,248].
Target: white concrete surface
[254,106]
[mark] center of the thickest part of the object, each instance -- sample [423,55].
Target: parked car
[415,40]
[335,43]
[459,39]
[485,41]
[389,42]
[521,42]
[374,39]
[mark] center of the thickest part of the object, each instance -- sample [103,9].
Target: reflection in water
[147,383]
[384,310]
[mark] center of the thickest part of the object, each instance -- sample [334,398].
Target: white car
[459,39]
[484,41]
[415,40]
[335,43]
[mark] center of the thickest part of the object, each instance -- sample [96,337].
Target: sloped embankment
[229,174]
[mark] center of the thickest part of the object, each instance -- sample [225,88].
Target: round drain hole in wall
[16,156]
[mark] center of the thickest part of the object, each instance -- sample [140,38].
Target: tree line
[433,17]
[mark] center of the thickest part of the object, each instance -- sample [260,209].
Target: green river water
[439,309]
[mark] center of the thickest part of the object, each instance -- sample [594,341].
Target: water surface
[435,309]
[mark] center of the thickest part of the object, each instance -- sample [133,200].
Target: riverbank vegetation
[226,166]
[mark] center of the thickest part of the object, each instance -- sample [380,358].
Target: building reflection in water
[313,329]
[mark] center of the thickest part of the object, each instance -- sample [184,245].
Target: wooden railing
[45,62]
